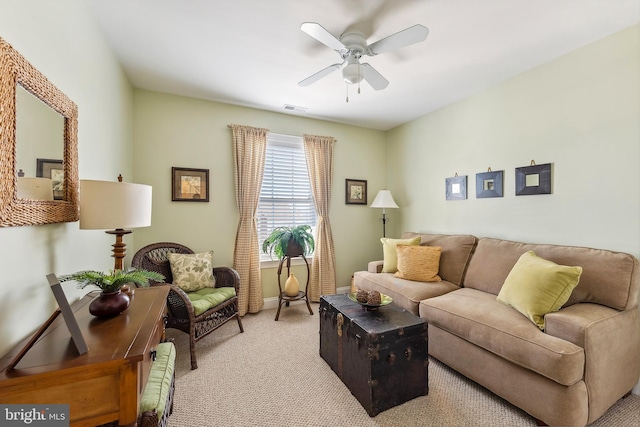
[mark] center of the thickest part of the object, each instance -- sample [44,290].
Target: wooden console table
[106,383]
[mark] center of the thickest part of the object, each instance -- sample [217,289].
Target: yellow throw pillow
[390,264]
[419,263]
[536,286]
[192,272]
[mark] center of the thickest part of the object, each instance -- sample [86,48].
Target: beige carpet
[272,375]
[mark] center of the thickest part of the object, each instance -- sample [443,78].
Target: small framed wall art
[355,192]
[489,184]
[189,185]
[54,170]
[456,187]
[533,179]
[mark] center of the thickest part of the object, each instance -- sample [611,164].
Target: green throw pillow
[390,264]
[536,286]
[192,272]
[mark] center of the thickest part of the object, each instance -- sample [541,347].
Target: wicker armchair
[181,314]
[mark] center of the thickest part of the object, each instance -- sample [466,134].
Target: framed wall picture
[54,170]
[456,187]
[189,185]
[534,179]
[489,184]
[355,192]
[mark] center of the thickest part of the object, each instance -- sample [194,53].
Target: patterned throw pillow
[192,272]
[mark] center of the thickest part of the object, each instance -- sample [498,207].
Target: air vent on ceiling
[290,107]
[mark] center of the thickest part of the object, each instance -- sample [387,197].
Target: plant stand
[284,299]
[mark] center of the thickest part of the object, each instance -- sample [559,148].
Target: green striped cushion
[157,389]
[203,299]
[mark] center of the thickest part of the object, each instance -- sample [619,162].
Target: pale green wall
[185,132]
[580,112]
[60,38]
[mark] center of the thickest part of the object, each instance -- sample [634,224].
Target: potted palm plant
[289,241]
[111,300]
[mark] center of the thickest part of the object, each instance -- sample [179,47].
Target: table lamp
[384,200]
[35,188]
[117,205]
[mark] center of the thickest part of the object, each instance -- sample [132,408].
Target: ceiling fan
[351,46]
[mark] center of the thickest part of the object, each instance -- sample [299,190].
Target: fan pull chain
[347,84]
[359,77]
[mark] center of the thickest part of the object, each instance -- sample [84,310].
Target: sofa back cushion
[456,252]
[608,278]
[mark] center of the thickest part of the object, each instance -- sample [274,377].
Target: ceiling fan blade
[373,77]
[320,74]
[403,38]
[319,33]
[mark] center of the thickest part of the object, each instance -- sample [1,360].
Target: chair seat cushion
[156,391]
[206,298]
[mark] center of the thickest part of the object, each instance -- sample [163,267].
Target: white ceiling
[253,53]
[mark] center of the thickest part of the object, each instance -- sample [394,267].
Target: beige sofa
[588,355]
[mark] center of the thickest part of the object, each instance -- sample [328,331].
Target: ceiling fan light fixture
[352,46]
[351,73]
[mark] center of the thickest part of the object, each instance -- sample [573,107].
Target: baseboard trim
[272,302]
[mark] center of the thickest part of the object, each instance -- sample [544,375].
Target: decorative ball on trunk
[362,296]
[374,298]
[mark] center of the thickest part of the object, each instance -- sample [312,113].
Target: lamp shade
[383,199]
[35,188]
[109,204]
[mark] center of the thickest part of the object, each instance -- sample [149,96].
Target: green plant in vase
[111,301]
[114,280]
[289,241]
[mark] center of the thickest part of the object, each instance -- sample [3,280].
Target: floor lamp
[113,205]
[384,200]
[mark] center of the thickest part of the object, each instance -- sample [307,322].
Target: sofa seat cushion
[206,298]
[406,294]
[480,319]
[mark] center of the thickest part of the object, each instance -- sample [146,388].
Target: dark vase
[109,304]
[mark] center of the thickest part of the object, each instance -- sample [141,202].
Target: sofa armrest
[610,340]
[375,266]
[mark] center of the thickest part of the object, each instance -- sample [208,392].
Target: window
[285,197]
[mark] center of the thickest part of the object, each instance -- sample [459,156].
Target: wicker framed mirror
[15,209]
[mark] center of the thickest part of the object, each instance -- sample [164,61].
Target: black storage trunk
[381,355]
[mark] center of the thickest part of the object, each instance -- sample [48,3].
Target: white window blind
[285,197]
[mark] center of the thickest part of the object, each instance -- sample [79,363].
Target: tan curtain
[319,153]
[249,151]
